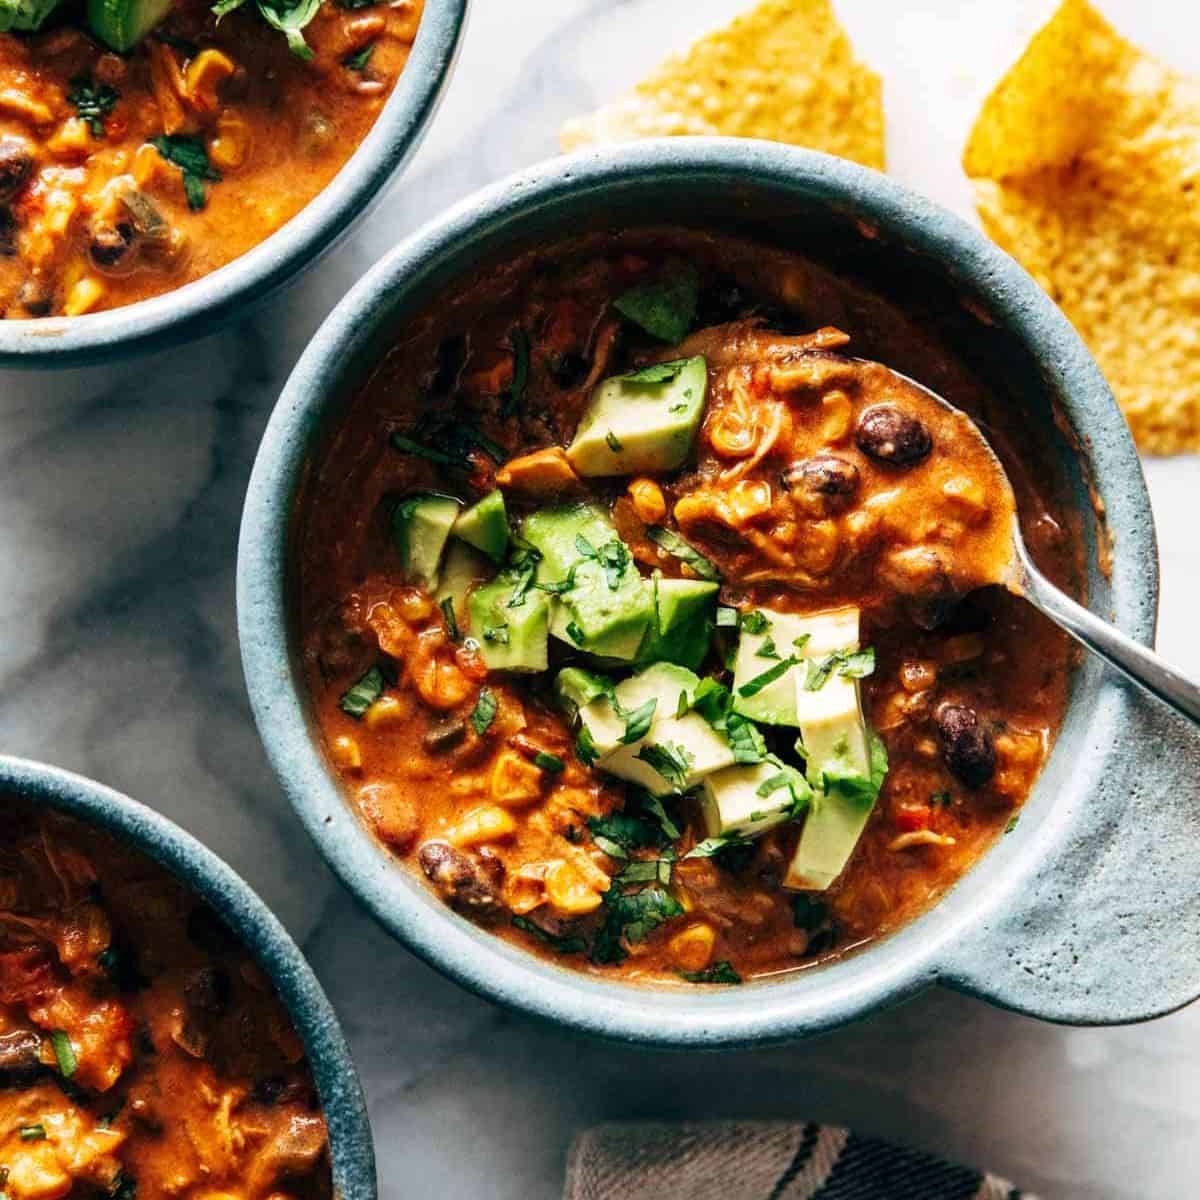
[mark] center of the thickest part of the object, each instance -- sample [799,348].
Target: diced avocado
[644,421]
[836,819]
[791,636]
[748,800]
[682,628]
[462,568]
[675,755]
[600,620]
[421,526]
[661,683]
[576,687]
[510,639]
[485,526]
[832,725]
[121,24]
[554,534]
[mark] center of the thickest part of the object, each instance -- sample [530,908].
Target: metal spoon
[1022,578]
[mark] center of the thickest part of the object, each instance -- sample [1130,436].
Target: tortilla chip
[1086,162]
[784,71]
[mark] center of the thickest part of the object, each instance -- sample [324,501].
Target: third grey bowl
[1087,912]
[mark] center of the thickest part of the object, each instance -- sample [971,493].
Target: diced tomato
[911,817]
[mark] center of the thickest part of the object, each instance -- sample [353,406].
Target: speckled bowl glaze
[351,1149]
[202,307]
[1086,912]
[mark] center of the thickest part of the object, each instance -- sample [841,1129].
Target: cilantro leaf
[550,763]
[362,694]
[670,760]
[631,917]
[637,723]
[657,372]
[754,686]
[755,622]
[190,156]
[484,712]
[92,102]
[674,545]
[585,746]
[663,307]
[718,972]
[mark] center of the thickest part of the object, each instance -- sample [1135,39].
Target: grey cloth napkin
[763,1160]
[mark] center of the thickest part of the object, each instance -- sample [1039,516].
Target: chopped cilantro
[637,723]
[515,397]
[32,1133]
[561,945]
[614,442]
[362,694]
[627,830]
[447,607]
[719,972]
[484,712]
[359,59]
[1012,824]
[682,704]
[646,870]
[406,445]
[92,102]
[64,1053]
[657,372]
[714,845]
[654,806]
[585,746]
[550,763]
[631,917]
[858,665]
[575,633]
[663,307]
[674,545]
[745,740]
[754,686]
[755,622]
[767,649]
[190,156]
[670,760]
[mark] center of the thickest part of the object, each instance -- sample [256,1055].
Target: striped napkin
[763,1160]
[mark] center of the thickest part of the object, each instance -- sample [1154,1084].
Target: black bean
[16,165]
[967,746]
[570,369]
[110,243]
[461,880]
[208,990]
[19,1055]
[444,735]
[825,481]
[8,233]
[35,299]
[891,435]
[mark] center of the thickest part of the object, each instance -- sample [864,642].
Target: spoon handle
[1143,666]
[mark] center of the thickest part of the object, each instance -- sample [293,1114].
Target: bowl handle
[1120,941]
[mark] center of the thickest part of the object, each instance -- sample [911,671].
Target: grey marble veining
[120,492]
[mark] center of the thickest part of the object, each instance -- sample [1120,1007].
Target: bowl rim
[206,304]
[892,968]
[351,1146]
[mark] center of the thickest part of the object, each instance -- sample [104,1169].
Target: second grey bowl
[1087,912]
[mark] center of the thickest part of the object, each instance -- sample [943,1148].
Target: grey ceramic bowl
[1086,911]
[202,307]
[351,1150]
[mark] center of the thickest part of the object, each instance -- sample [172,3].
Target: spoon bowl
[1017,572]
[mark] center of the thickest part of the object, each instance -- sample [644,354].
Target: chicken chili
[643,619]
[156,141]
[142,1052]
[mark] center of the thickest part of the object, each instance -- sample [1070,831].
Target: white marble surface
[120,492]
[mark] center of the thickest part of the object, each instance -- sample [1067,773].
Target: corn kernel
[962,648]
[414,605]
[17,104]
[966,498]
[526,890]
[749,499]
[146,164]
[515,780]
[486,824]
[692,948]
[205,73]
[567,890]
[84,296]
[230,147]
[387,710]
[346,754]
[835,416]
[648,501]
[72,139]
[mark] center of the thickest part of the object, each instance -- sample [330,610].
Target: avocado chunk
[682,626]
[785,636]
[675,755]
[421,527]
[609,606]
[462,569]
[510,639]
[485,526]
[838,815]
[643,421]
[121,24]
[576,688]
[744,801]
[608,723]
